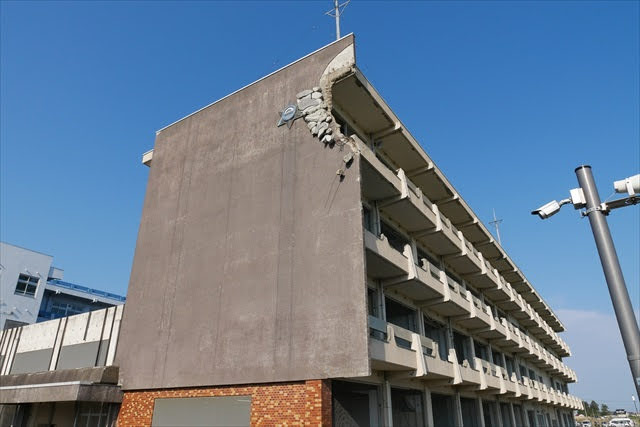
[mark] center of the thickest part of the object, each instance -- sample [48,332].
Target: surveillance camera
[629,185]
[547,210]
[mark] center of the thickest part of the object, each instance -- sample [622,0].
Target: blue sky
[507,98]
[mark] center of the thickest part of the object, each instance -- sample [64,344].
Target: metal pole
[612,272]
[337,8]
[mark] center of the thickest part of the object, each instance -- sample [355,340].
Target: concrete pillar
[382,311]
[512,414]
[420,325]
[498,413]
[480,412]
[472,351]
[376,218]
[387,416]
[457,411]
[428,407]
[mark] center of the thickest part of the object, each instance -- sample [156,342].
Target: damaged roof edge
[256,81]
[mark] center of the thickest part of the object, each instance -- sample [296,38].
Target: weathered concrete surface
[62,393]
[84,384]
[249,265]
[103,375]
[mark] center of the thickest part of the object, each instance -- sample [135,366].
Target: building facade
[33,290]
[321,269]
[60,372]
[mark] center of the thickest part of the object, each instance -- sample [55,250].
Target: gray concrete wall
[249,265]
[85,340]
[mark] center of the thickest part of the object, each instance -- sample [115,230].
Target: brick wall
[280,404]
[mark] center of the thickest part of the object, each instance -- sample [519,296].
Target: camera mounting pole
[612,272]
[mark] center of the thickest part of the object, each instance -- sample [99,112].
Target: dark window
[396,240]
[497,359]
[354,404]
[443,410]
[26,285]
[506,415]
[401,315]
[423,254]
[489,413]
[372,301]
[461,345]
[482,351]
[509,362]
[438,333]
[523,372]
[60,309]
[469,412]
[452,276]
[406,408]
[367,219]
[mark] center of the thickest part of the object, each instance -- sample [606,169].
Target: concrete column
[382,311]
[498,413]
[449,334]
[472,352]
[490,350]
[457,411]
[480,412]
[376,218]
[387,416]
[428,407]
[420,322]
[414,250]
[512,414]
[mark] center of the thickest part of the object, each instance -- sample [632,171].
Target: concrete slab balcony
[409,354]
[383,261]
[442,240]
[422,283]
[378,182]
[478,317]
[454,302]
[467,260]
[496,331]
[410,208]
[486,278]
[384,351]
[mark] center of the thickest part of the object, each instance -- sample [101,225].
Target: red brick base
[280,404]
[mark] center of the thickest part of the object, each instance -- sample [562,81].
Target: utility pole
[337,11]
[496,223]
[612,272]
[586,196]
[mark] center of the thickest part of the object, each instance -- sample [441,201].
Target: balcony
[393,348]
[468,261]
[411,209]
[490,376]
[383,261]
[479,317]
[454,302]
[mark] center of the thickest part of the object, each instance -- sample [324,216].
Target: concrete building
[33,290]
[321,268]
[302,261]
[60,372]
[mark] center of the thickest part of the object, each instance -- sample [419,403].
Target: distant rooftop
[86,289]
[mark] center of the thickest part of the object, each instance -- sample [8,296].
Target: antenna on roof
[496,223]
[337,11]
